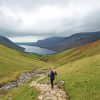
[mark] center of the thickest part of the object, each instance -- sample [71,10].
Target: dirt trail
[47,93]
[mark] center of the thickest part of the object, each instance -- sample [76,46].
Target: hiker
[52,76]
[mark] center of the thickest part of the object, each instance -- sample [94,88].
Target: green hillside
[80,71]
[82,78]
[79,68]
[76,53]
[13,62]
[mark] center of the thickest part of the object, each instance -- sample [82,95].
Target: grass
[82,78]
[79,68]
[13,62]
[76,53]
[24,92]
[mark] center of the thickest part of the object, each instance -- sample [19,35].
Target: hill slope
[82,78]
[5,41]
[76,53]
[80,69]
[63,43]
[49,42]
[13,62]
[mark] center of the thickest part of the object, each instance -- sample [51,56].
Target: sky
[31,20]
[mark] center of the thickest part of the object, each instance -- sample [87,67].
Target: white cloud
[47,17]
[26,38]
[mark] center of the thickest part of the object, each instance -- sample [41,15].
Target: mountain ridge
[59,44]
[5,41]
[77,53]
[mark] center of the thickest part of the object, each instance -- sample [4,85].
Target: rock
[47,98]
[58,94]
[40,97]
[48,94]
[61,84]
[54,98]
[64,96]
[23,77]
[9,98]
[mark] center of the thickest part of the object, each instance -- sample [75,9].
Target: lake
[36,49]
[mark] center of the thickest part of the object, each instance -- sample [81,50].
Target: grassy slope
[13,62]
[76,53]
[81,71]
[82,78]
[24,92]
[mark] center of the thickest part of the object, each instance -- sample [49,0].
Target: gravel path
[47,93]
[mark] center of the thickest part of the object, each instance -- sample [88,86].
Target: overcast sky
[30,20]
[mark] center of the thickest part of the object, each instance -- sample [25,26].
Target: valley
[49,49]
[78,67]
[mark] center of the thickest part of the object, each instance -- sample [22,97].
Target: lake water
[36,49]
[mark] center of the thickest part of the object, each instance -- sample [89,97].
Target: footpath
[47,93]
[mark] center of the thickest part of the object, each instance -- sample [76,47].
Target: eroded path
[47,93]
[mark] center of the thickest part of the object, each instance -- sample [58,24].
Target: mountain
[77,53]
[5,41]
[49,42]
[63,43]
[24,43]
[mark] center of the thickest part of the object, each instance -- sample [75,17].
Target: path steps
[47,93]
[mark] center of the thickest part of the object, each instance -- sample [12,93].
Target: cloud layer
[43,18]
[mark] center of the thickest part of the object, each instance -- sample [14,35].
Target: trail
[46,93]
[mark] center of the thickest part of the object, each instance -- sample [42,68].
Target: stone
[9,98]
[54,98]
[64,96]
[43,92]
[64,99]
[40,97]
[60,98]
[58,94]
[47,98]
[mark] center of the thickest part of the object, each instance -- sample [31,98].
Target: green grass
[76,53]
[13,62]
[79,67]
[24,92]
[82,78]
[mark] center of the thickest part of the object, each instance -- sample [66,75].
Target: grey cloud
[20,18]
[29,4]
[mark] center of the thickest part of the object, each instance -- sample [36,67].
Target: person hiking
[52,76]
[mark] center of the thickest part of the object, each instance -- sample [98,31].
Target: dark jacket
[52,75]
